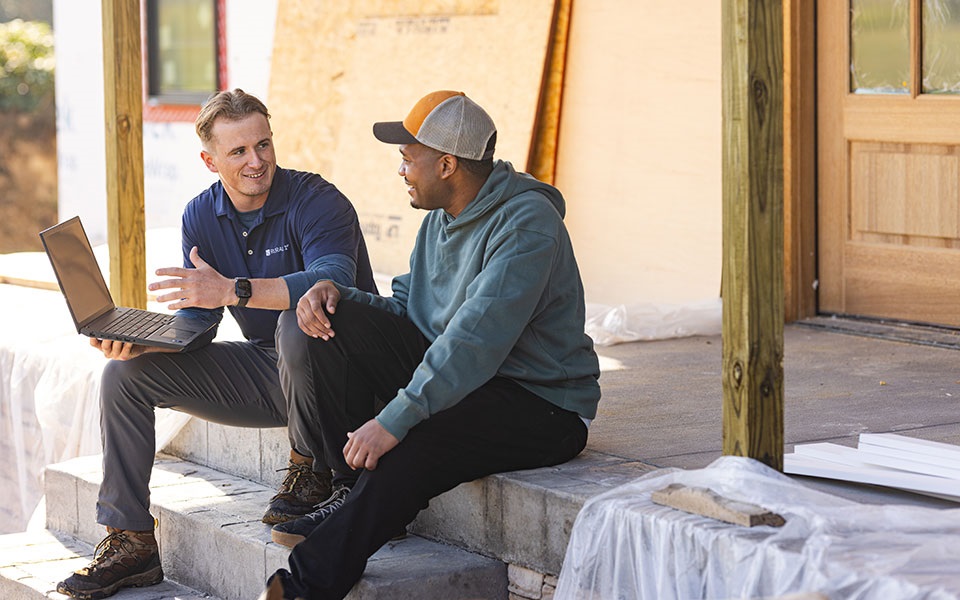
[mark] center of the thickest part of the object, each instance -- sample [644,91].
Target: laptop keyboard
[139,323]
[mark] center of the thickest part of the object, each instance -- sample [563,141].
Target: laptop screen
[77,270]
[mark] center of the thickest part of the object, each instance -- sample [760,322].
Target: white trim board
[810,465]
[858,457]
[942,453]
[895,458]
[928,459]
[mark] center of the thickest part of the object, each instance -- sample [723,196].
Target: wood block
[706,502]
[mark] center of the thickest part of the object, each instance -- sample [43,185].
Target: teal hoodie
[497,291]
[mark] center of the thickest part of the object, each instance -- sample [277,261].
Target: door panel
[889,177]
[886,180]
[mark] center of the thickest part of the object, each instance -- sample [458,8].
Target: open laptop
[91,305]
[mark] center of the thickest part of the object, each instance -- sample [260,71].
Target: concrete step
[523,518]
[212,540]
[32,563]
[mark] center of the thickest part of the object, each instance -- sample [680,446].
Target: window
[903,47]
[182,51]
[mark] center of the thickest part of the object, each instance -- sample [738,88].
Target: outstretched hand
[367,444]
[314,306]
[201,287]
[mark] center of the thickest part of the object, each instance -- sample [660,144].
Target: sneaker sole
[276,517]
[286,539]
[148,578]
[292,539]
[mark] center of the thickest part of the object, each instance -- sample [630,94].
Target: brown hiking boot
[301,490]
[122,559]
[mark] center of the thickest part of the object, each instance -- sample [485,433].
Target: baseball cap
[446,121]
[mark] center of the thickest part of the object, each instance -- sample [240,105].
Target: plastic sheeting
[49,390]
[623,546]
[609,325]
[50,380]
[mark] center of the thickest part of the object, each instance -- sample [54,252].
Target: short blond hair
[228,104]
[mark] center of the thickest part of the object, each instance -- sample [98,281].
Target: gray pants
[233,383]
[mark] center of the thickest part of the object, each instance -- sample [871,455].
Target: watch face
[243,288]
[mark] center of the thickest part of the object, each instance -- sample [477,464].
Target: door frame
[800,159]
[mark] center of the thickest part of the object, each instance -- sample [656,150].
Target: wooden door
[888,77]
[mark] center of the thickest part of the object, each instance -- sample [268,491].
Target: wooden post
[123,95]
[752,288]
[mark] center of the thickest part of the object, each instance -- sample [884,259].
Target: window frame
[177,107]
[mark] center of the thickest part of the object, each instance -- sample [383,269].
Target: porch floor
[664,406]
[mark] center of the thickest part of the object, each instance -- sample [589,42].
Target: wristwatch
[241,285]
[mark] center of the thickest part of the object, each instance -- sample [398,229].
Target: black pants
[498,427]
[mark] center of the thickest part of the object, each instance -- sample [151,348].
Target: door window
[941,47]
[880,46]
[905,47]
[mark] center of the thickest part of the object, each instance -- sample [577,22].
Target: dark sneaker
[301,490]
[122,559]
[279,587]
[293,532]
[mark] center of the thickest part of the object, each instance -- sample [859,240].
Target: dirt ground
[28,179]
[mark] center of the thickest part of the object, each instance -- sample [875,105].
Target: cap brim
[393,132]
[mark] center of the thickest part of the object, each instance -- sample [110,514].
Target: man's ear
[207,159]
[448,165]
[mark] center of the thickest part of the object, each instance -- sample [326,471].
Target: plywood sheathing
[338,67]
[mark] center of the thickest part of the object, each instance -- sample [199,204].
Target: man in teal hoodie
[477,364]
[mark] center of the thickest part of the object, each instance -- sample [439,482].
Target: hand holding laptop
[115,350]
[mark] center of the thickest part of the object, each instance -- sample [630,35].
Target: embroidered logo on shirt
[277,249]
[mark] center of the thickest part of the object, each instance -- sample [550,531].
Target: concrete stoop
[212,540]
[501,536]
[522,518]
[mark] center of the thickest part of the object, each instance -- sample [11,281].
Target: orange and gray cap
[445,121]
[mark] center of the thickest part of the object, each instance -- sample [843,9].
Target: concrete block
[191,442]
[234,450]
[463,517]
[417,568]
[526,583]
[255,454]
[71,489]
[274,455]
[205,549]
[60,488]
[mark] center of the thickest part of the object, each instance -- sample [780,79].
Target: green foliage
[26,65]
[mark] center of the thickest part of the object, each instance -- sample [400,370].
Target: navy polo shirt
[304,218]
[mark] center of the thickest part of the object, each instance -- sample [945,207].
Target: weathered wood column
[123,96]
[752,288]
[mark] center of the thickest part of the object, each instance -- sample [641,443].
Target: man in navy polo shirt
[253,242]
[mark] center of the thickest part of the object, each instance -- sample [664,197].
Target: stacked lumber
[886,459]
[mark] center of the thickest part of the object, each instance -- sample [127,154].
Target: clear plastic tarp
[609,325]
[50,379]
[623,546]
